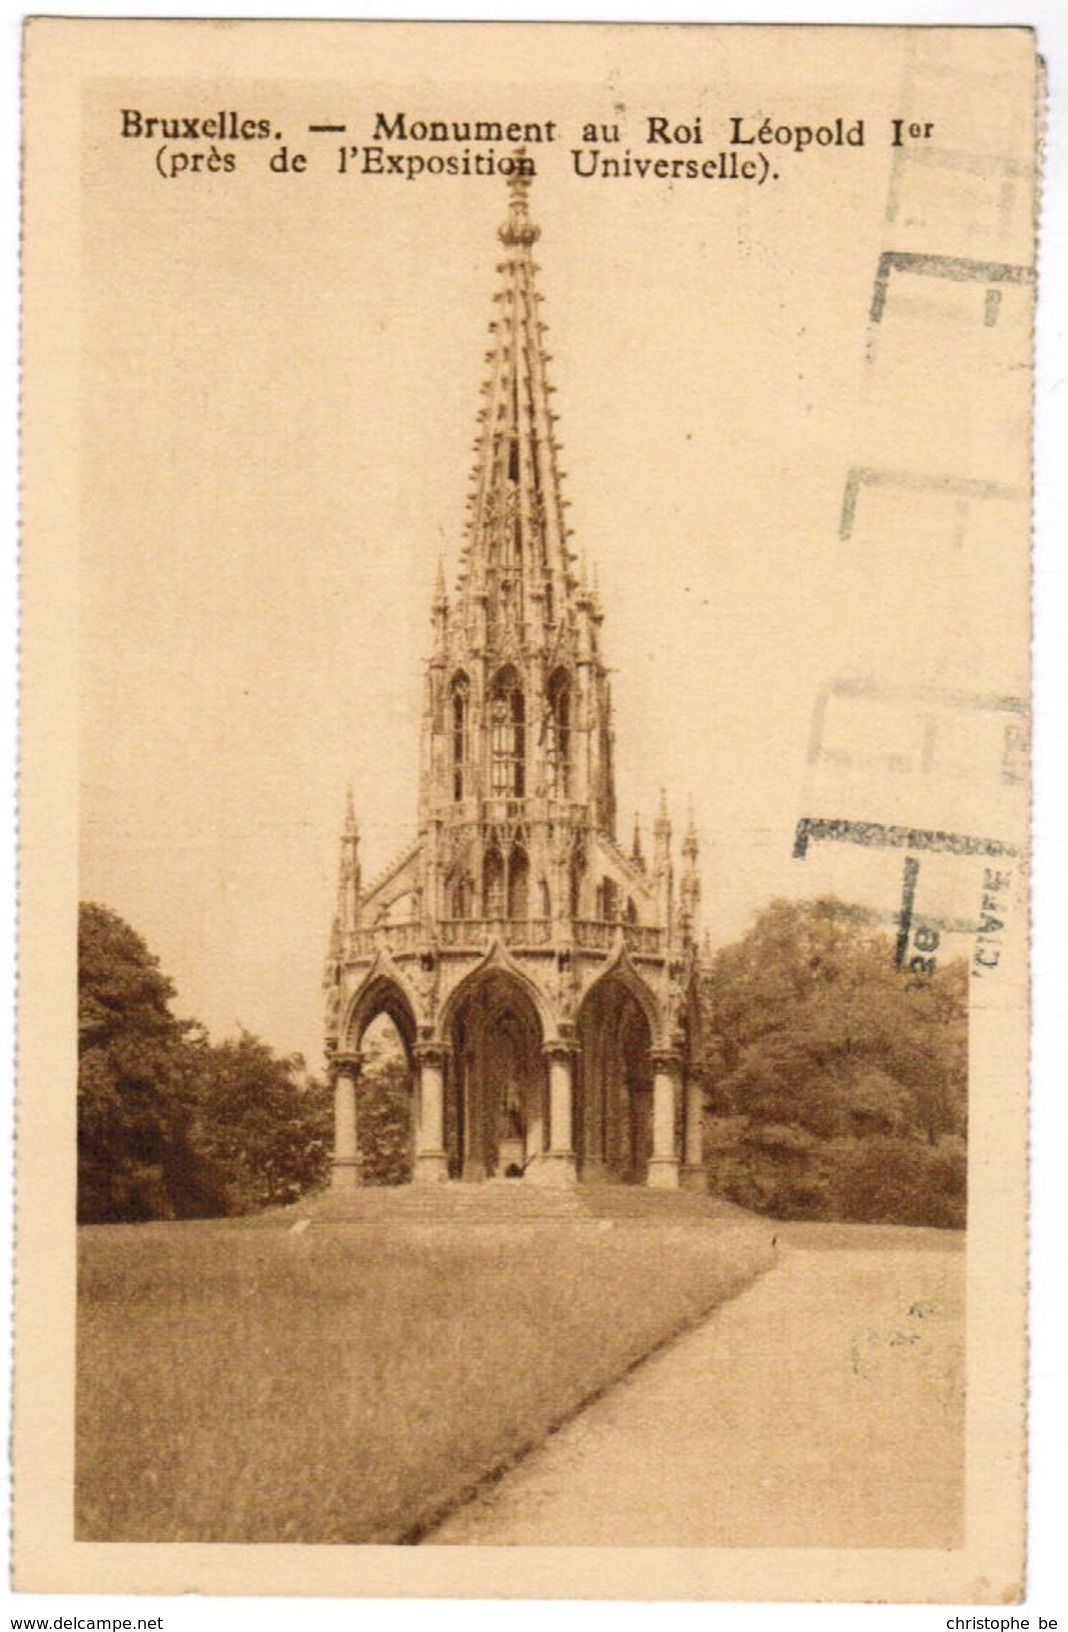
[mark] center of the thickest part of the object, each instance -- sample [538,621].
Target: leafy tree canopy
[265,1136]
[819,1028]
[122,993]
[832,1076]
[170,1126]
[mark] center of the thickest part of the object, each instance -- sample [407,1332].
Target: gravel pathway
[822,1408]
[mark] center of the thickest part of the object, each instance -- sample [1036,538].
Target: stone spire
[662,831]
[663,871]
[348,885]
[439,612]
[690,883]
[518,704]
[516,580]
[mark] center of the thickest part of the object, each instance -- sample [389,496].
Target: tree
[824,1044]
[170,1125]
[264,1135]
[135,1095]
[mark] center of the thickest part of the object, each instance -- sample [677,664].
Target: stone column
[431,1162]
[693,1171]
[557,1165]
[664,1162]
[346,1166]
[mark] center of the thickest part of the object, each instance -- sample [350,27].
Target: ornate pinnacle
[636,849]
[662,842]
[689,843]
[519,228]
[514,507]
[348,883]
[595,594]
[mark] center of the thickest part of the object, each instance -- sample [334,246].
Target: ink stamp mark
[992,920]
[954,267]
[985,166]
[883,835]
[924,936]
[962,488]
[934,699]
[908,902]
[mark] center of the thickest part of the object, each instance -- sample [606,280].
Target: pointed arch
[498,1110]
[459,732]
[498,960]
[608,900]
[518,883]
[382,992]
[574,881]
[462,895]
[493,888]
[616,1031]
[508,735]
[558,733]
[622,970]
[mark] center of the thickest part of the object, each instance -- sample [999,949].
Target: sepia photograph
[526,795]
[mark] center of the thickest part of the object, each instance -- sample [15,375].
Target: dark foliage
[837,1085]
[385,1109]
[265,1137]
[170,1126]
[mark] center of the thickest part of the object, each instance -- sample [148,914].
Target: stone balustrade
[588,935]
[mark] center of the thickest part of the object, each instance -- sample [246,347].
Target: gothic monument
[541,978]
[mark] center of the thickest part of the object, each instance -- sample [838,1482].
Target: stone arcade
[541,979]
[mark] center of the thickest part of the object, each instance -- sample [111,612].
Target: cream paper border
[987,1569]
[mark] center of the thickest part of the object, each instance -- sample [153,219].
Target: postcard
[525,794]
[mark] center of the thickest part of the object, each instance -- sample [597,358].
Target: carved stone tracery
[520,902]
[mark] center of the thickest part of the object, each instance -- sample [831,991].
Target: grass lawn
[240,1382]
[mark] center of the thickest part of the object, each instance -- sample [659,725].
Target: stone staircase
[504,1200]
[459,1203]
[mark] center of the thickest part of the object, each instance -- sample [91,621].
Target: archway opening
[384,1103]
[614,1138]
[496,1110]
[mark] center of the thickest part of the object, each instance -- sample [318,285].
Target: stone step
[496,1198]
[510,1199]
